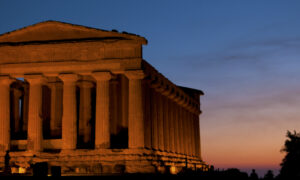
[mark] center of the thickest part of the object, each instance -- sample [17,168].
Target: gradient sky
[244,55]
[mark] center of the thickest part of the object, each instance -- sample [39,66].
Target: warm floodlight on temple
[76,100]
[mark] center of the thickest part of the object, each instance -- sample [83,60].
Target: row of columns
[175,126]
[69,114]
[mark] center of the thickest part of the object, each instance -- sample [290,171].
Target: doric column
[25,107]
[190,130]
[165,109]
[102,126]
[185,133]
[154,119]
[160,122]
[5,82]
[181,129]
[35,128]
[85,111]
[172,125]
[195,134]
[176,128]
[69,118]
[114,105]
[56,108]
[192,134]
[136,110]
[147,117]
[17,93]
[198,137]
[124,101]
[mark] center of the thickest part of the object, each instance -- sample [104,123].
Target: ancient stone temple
[84,101]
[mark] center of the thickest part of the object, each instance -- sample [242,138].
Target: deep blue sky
[244,55]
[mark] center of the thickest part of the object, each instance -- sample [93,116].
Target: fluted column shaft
[180,129]
[16,110]
[190,133]
[55,110]
[114,106]
[147,116]
[198,137]
[172,125]
[85,111]
[69,118]
[185,133]
[5,82]
[160,122]
[176,128]
[194,134]
[102,136]
[136,136]
[35,128]
[154,109]
[165,109]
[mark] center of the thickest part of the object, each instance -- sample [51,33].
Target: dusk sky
[244,55]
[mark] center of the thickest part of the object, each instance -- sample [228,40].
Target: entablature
[79,51]
[166,87]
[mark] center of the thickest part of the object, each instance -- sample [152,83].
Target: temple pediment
[59,31]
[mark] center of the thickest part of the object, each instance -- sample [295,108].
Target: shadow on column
[120,140]
[81,143]
[18,112]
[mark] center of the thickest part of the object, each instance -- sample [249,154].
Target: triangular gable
[56,31]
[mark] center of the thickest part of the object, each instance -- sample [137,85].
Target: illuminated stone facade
[84,100]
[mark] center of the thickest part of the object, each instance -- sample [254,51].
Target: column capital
[135,74]
[172,94]
[156,85]
[85,84]
[114,80]
[102,76]
[6,80]
[185,102]
[154,81]
[68,77]
[161,87]
[167,90]
[53,79]
[178,98]
[17,92]
[35,78]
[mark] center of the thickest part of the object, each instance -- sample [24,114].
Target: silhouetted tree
[269,175]
[253,175]
[290,166]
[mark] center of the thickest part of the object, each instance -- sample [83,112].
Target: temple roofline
[192,90]
[32,33]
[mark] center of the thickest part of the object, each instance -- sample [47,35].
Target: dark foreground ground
[183,175]
[231,174]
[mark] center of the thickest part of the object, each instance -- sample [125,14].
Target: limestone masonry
[84,101]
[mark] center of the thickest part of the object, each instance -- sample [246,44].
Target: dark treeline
[231,173]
